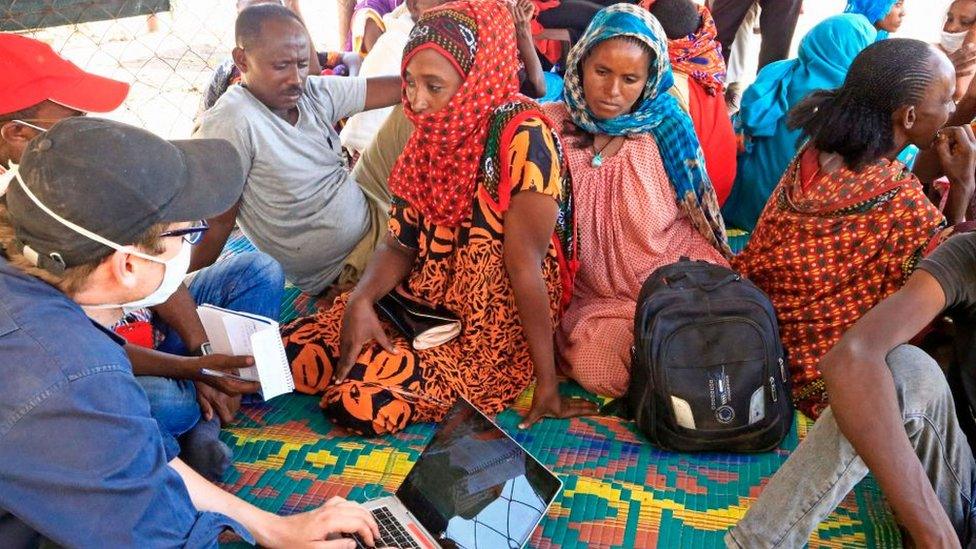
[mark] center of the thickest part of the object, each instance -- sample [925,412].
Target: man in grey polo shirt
[299,204]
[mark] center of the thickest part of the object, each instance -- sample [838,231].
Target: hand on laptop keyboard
[392,533]
[328,522]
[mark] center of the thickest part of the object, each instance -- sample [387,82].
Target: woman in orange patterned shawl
[848,222]
[478,191]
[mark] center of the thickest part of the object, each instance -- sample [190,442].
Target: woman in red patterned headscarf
[481,229]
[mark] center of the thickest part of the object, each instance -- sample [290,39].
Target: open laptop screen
[475,487]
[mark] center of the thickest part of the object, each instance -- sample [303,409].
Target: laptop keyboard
[392,533]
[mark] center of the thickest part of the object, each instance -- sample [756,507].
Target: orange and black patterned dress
[828,248]
[462,269]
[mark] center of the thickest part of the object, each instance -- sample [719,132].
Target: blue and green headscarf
[874,10]
[657,112]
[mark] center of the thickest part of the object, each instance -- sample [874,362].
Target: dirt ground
[168,68]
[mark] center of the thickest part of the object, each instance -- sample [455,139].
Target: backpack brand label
[720,393]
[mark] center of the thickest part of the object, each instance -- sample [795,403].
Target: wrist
[268,529]
[964,184]
[360,298]
[193,346]
[920,512]
[928,534]
[961,190]
[189,368]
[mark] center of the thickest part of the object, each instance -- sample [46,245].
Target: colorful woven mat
[620,492]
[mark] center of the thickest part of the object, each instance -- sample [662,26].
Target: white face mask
[175,268]
[952,41]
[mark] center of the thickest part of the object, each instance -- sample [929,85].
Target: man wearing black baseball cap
[99,216]
[167,344]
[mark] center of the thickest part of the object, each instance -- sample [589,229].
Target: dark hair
[22,114]
[855,119]
[247,30]
[244,4]
[679,18]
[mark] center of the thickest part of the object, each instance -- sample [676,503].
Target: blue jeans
[251,283]
[824,468]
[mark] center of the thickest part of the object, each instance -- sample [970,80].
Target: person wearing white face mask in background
[958,40]
[165,343]
[96,218]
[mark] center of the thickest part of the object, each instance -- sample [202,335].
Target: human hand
[360,325]
[315,528]
[523,11]
[938,533]
[956,147]
[213,401]
[964,60]
[224,363]
[546,402]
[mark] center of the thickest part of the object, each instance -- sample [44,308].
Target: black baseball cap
[116,181]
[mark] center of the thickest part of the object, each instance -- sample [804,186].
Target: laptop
[473,487]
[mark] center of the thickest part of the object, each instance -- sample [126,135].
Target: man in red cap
[39,88]
[167,344]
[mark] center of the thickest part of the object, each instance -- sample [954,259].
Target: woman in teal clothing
[826,52]
[885,15]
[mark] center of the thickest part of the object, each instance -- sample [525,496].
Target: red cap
[33,72]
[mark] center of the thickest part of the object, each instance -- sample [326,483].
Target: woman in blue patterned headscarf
[641,194]
[656,112]
[885,15]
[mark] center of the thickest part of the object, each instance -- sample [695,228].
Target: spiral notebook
[237,333]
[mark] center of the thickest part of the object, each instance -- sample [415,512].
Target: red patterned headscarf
[698,55]
[438,169]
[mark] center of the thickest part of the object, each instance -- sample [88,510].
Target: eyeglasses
[191,235]
[28,122]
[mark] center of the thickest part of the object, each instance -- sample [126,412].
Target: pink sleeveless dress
[630,224]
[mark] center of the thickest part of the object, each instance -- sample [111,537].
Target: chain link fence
[166,49]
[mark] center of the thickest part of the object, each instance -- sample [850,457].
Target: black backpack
[708,371]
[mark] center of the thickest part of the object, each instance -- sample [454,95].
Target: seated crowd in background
[699,85]
[299,204]
[417,163]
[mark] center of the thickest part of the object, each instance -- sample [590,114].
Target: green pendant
[597,160]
